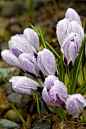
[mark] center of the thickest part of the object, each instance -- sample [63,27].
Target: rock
[9,73]
[16,98]
[43,108]
[28,104]
[43,125]
[15,29]
[4,104]
[12,115]
[9,124]
[2,92]
[7,88]
[11,8]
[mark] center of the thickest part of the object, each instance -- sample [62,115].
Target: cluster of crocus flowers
[70,35]
[24,53]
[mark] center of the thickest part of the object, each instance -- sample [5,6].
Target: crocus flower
[46,62]
[29,63]
[71,15]
[23,85]
[55,94]
[32,38]
[76,28]
[10,58]
[61,29]
[70,48]
[75,104]
[18,44]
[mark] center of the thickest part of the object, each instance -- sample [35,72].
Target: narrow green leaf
[36,93]
[21,22]
[14,108]
[38,107]
[3,77]
[42,38]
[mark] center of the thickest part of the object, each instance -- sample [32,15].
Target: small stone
[7,88]
[43,108]
[42,125]
[9,73]
[16,98]
[4,104]
[28,104]
[11,8]
[15,29]
[9,124]
[12,115]
[2,92]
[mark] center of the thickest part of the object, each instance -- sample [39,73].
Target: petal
[40,64]
[24,85]
[75,104]
[61,29]
[18,44]
[71,15]
[49,81]
[48,61]
[47,98]
[29,63]
[75,27]
[32,37]
[10,58]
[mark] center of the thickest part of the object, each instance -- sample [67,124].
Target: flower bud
[76,28]
[32,38]
[71,15]
[18,44]
[61,29]
[29,63]
[10,58]
[75,104]
[55,94]
[49,81]
[23,85]
[70,48]
[46,62]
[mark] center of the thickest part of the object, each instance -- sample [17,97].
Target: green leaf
[3,77]
[14,108]
[42,38]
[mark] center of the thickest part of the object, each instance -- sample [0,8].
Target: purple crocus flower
[54,93]
[61,29]
[10,58]
[70,48]
[76,28]
[23,85]
[75,104]
[46,62]
[32,38]
[29,63]
[71,15]
[18,44]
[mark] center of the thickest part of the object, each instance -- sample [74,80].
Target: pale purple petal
[61,29]
[76,28]
[29,63]
[32,37]
[75,104]
[55,95]
[47,98]
[70,47]
[71,15]
[49,81]
[40,64]
[18,44]
[47,62]
[10,58]
[23,85]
